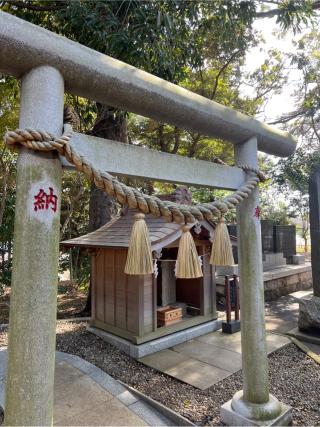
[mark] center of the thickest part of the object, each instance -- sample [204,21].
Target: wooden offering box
[168,315]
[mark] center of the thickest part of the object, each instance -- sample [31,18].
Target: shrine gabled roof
[116,233]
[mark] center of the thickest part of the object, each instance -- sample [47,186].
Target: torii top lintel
[95,76]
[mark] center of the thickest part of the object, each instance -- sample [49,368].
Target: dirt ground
[70,302]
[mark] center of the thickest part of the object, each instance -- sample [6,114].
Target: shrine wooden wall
[126,305]
[119,301]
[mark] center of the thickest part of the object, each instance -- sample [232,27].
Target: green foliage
[199,44]
[205,195]
[9,98]
[85,109]
[294,171]
[77,261]
[295,14]
[6,274]
[292,174]
[162,37]
[273,210]
[9,101]
[306,121]
[74,222]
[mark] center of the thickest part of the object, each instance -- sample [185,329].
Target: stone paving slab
[198,374]
[229,342]
[87,396]
[213,355]
[233,342]
[184,368]
[206,360]
[276,341]
[164,360]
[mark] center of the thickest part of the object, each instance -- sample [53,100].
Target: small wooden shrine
[141,308]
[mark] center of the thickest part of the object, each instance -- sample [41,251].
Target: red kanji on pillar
[257,212]
[44,201]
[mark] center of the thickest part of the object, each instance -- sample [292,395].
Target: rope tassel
[221,253]
[187,264]
[139,258]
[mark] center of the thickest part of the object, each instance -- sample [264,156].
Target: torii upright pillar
[253,405]
[31,350]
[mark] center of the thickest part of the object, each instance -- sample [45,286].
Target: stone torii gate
[48,65]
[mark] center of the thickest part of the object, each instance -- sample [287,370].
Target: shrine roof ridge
[116,233]
[98,77]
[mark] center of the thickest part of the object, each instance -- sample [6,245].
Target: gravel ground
[294,378]
[71,301]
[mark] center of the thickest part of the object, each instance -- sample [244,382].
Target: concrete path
[282,314]
[87,396]
[208,359]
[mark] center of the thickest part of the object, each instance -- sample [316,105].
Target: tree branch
[287,117]
[35,7]
[276,12]
[176,140]
[161,138]
[194,145]
[265,92]
[216,80]
[72,205]
[4,195]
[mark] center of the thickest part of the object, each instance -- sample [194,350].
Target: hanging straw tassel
[221,253]
[187,264]
[139,258]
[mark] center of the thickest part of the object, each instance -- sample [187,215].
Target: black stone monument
[267,236]
[285,239]
[314,205]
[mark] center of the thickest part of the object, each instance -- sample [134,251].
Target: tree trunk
[110,124]
[4,196]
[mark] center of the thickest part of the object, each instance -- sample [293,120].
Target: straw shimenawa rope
[39,140]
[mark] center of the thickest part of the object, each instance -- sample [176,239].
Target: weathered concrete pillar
[253,404]
[30,376]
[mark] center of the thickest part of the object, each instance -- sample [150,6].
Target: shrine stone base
[150,347]
[232,418]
